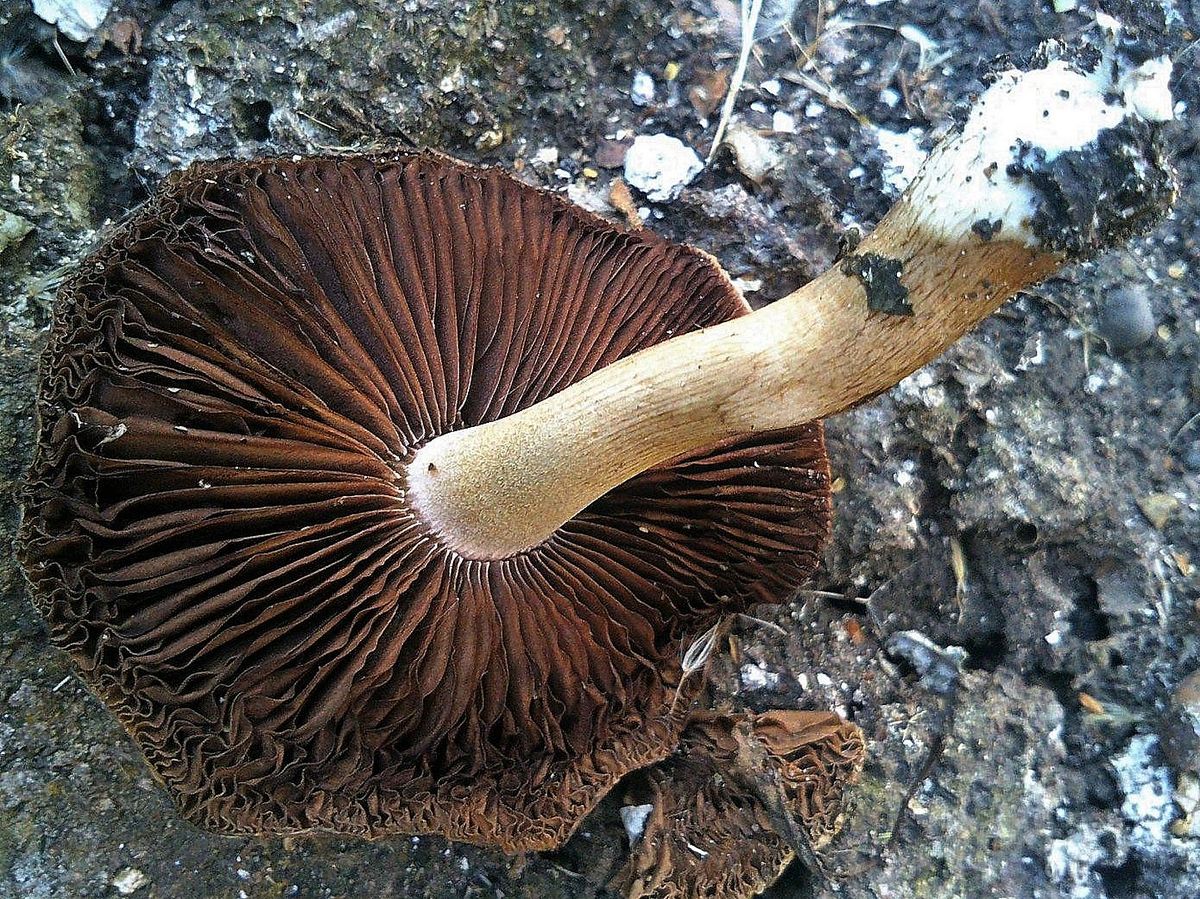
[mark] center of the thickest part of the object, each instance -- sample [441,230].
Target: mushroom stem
[996,208]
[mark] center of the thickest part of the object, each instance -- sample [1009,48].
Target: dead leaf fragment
[610,154]
[1184,563]
[622,200]
[707,91]
[126,36]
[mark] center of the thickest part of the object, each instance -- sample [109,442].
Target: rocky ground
[1009,604]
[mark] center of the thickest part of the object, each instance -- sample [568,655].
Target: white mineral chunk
[634,818]
[783,122]
[758,677]
[642,91]
[1147,788]
[77,19]
[129,880]
[661,166]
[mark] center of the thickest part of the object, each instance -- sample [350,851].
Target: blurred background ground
[1008,606]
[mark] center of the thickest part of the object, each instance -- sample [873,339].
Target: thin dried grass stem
[750,15]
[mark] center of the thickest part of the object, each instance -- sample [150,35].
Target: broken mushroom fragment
[218,525]
[719,811]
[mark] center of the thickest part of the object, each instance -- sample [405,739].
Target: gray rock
[1126,319]
[939,667]
[13,229]
[1180,726]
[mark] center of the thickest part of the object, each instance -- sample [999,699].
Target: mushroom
[380,493]
[220,531]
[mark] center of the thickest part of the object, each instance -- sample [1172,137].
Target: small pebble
[754,155]
[1187,797]
[783,122]
[1191,456]
[1125,318]
[13,229]
[642,91]
[1180,728]
[938,667]
[1158,508]
[758,677]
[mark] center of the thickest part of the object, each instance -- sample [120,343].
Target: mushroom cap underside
[216,526]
